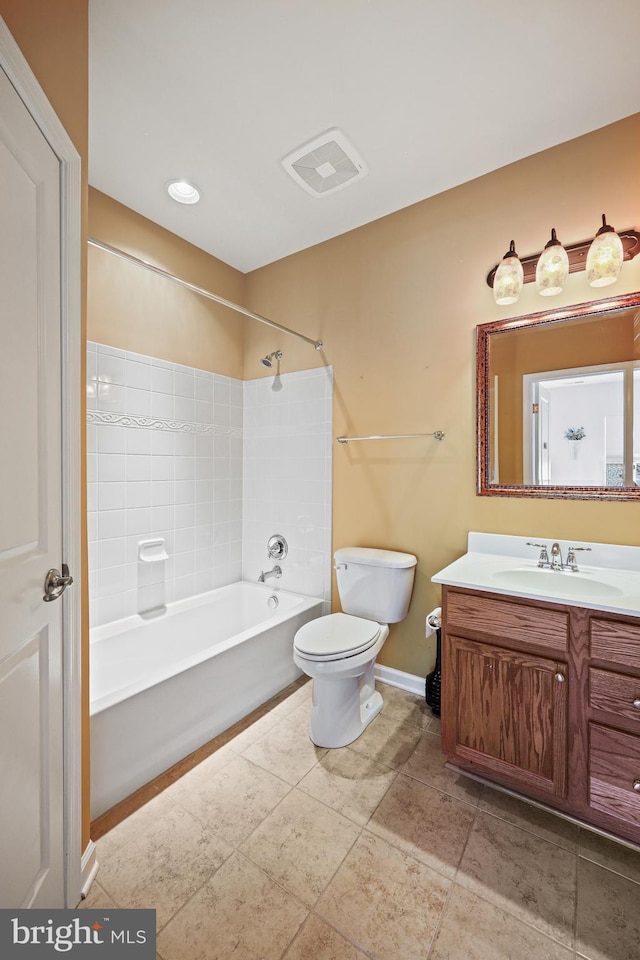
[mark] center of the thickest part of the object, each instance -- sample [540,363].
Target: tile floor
[272,848]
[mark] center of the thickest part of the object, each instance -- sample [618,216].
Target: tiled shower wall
[164,446]
[165,459]
[287,478]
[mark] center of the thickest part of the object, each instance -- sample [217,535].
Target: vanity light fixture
[552,268]
[601,257]
[509,277]
[182,191]
[604,260]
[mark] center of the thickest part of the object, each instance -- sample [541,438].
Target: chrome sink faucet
[555,563]
[556,557]
[274,572]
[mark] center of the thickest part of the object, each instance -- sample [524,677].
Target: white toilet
[339,651]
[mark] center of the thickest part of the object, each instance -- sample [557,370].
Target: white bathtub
[162,686]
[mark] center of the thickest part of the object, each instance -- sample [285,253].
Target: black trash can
[433,680]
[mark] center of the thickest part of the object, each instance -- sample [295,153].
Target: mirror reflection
[559,402]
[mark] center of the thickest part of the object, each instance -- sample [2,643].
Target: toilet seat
[335,637]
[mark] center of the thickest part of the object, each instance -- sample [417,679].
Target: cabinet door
[508,714]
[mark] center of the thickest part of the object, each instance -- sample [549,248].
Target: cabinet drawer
[614,773]
[616,642]
[505,620]
[615,693]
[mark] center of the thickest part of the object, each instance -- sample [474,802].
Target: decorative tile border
[171,426]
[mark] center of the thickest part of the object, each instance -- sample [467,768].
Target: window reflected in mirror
[559,402]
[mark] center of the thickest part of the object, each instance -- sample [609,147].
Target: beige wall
[397,302]
[54,39]
[135,309]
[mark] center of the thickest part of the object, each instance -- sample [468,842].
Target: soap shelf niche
[152,551]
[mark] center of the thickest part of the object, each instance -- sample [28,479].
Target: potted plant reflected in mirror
[574,435]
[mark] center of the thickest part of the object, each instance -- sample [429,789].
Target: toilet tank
[375,584]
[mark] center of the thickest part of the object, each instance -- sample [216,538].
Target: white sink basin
[505,564]
[553,583]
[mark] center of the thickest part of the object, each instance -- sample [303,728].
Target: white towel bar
[437,435]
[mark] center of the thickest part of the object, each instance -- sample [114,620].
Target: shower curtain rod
[195,289]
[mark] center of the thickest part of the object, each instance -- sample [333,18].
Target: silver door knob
[55,583]
[636,703]
[560,677]
[636,786]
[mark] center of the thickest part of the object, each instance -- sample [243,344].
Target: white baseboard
[88,868]
[398,678]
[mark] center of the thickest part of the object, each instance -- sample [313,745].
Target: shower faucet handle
[277,547]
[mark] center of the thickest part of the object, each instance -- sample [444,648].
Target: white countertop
[608,577]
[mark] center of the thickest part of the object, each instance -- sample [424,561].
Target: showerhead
[268,360]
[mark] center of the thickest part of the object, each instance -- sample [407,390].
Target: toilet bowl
[339,650]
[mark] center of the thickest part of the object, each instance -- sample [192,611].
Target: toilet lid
[336,635]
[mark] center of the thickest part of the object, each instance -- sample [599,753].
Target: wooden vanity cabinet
[505,674]
[545,699]
[511,714]
[614,720]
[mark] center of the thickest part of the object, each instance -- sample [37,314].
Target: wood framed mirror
[558,403]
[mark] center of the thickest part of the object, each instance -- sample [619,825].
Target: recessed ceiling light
[182,191]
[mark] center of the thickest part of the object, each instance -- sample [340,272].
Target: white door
[544,451]
[31,667]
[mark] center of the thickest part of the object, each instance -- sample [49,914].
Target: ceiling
[431,94]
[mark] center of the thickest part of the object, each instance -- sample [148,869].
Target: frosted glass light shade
[604,260]
[509,278]
[552,268]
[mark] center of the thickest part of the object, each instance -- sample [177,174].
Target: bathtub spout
[275,572]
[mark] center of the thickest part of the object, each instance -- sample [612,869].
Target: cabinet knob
[636,786]
[636,703]
[560,677]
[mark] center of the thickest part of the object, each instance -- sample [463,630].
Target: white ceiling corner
[431,95]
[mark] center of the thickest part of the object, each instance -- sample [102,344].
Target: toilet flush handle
[339,566]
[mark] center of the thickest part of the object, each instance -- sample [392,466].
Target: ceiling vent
[325,164]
